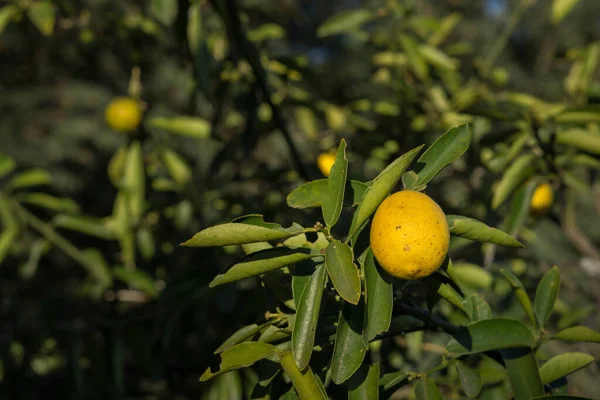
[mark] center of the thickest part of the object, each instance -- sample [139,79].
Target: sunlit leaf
[472,229]
[238,356]
[546,294]
[136,278]
[344,22]
[515,175]
[193,127]
[578,333]
[165,11]
[42,15]
[311,194]
[350,349]
[339,261]
[336,185]
[563,365]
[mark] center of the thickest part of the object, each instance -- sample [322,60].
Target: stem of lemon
[304,381]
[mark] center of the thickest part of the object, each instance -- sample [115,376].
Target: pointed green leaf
[472,229]
[444,151]
[562,8]
[523,374]
[521,294]
[50,202]
[393,380]
[480,308]
[381,187]
[519,207]
[586,140]
[165,11]
[515,175]
[578,333]
[416,61]
[409,180]
[350,349]
[248,229]
[560,397]
[7,13]
[134,180]
[261,262]
[336,185]
[307,316]
[364,384]
[193,127]
[32,177]
[241,335]
[472,275]
[546,294]
[490,334]
[563,365]
[136,278]
[239,356]
[425,389]
[342,271]
[582,115]
[344,22]
[177,167]
[379,295]
[7,164]
[301,274]
[311,194]
[442,286]
[470,380]
[42,15]
[87,225]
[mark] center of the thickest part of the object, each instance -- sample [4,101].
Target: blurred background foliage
[239,98]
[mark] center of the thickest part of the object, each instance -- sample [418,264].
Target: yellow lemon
[410,235]
[123,114]
[542,199]
[325,161]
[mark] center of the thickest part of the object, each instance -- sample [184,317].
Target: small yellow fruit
[325,161]
[542,199]
[410,235]
[123,114]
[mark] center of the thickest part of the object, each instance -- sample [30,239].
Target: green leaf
[239,356]
[177,167]
[472,275]
[302,273]
[521,293]
[342,271]
[560,397]
[311,194]
[563,365]
[116,166]
[247,229]
[415,60]
[514,176]
[425,389]
[136,278]
[267,31]
[134,180]
[438,58]
[7,13]
[582,115]
[380,189]
[194,30]
[44,200]
[444,151]
[29,178]
[193,127]
[470,380]
[562,8]
[307,317]
[546,294]
[344,22]
[379,296]
[42,15]
[241,335]
[578,333]
[523,374]
[350,349]
[393,380]
[480,308]
[519,207]
[336,185]
[165,11]
[260,262]
[7,164]
[585,140]
[490,334]
[472,229]
[409,179]
[87,225]
[364,384]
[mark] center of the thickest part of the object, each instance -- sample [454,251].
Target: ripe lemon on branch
[123,114]
[542,199]
[410,235]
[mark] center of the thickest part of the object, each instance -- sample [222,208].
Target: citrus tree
[376,266]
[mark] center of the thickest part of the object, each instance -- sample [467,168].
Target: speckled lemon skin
[410,235]
[542,199]
[123,114]
[325,161]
